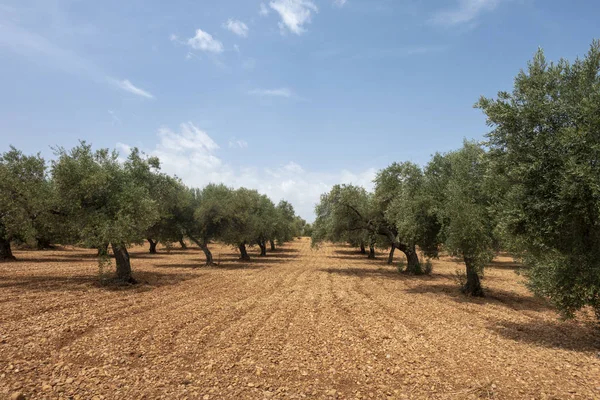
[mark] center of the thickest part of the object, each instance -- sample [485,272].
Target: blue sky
[285,96]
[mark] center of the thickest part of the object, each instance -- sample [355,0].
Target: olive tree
[545,139]
[104,201]
[343,216]
[406,212]
[464,208]
[24,196]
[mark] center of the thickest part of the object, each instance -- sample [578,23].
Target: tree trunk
[413,266]
[208,254]
[243,252]
[203,245]
[123,263]
[152,246]
[391,256]
[182,244]
[5,251]
[473,285]
[272,244]
[371,252]
[263,247]
[43,244]
[103,250]
[362,249]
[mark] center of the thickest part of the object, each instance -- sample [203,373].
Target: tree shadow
[504,298]
[358,257]
[201,266]
[387,272]
[355,252]
[508,265]
[566,335]
[57,259]
[147,280]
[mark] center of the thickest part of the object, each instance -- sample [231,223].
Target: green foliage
[104,201]
[25,197]
[343,216]
[401,194]
[546,142]
[467,225]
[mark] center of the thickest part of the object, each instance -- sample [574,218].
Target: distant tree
[545,140]
[407,217]
[170,196]
[24,196]
[464,208]
[343,216]
[104,201]
[286,224]
[241,228]
[264,223]
[211,213]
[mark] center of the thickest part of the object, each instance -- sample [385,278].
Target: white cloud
[129,87]
[339,3]
[294,14]
[242,144]
[466,12]
[205,42]
[236,48]
[191,154]
[237,27]
[264,11]
[281,92]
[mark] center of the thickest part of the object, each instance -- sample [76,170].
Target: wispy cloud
[237,27]
[43,51]
[294,14]
[131,88]
[205,41]
[281,92]
[242,144]
[264,11]
[339,3]
[467,11]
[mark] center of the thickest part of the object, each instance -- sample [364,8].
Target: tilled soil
[299,323]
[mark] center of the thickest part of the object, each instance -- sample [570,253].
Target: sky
[285,96]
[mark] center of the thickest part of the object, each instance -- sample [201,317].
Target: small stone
[331,392]
[206,397]
[17,396]
[46,387]
[250,384]
[68,381]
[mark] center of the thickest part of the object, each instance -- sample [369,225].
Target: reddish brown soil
[300,323]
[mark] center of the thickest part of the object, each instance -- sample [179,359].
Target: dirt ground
[300,323]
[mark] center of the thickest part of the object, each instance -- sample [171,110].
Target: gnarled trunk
[182,243]
[207,254]
[263,247]
[203,245]
[5,250]
[413,266]
[362,249]
[123,263]
[243,252]
[371,252]
[272,242]
[152,246]
[391,256]
[473,285]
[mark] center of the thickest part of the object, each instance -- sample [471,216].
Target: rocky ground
[300,323]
